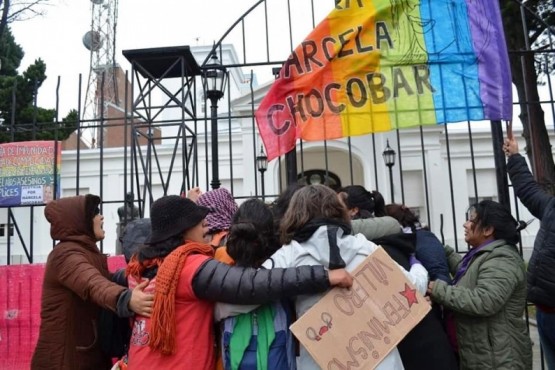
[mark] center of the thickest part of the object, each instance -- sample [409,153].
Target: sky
[57,36]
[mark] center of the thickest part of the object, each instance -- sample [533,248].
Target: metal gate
[169,134]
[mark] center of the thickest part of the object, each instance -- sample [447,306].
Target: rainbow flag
[377,65]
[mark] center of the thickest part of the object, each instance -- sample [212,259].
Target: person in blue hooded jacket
[429,249]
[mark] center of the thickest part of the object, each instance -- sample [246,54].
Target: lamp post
[262,165]
[214,82]
[389,160]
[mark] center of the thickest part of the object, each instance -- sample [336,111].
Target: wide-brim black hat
[172,215]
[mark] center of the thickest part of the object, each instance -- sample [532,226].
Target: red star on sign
[410,295]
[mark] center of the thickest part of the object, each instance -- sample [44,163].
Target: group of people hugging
[217,285]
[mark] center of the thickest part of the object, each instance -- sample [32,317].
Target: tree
[21,119]
[526,68]
[19,10]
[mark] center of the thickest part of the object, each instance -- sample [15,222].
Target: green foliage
[531,44]
[10,54]
[21,119]
[540,23]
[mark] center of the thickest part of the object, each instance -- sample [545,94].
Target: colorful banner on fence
[378,65]
[27,172]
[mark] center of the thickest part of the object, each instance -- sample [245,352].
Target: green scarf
[243,331]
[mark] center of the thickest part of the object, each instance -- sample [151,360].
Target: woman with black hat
[186,281]
[76,286]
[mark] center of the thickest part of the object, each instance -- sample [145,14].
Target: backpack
[135,234]
[281,354]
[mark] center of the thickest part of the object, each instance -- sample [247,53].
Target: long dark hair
[279,206]
[492,214]
[369,204]
[403,214]
[251,238]
[160,249]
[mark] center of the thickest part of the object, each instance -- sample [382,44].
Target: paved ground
[535,347]
[533,329]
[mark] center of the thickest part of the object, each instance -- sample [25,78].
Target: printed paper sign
[27,172]
[356,328]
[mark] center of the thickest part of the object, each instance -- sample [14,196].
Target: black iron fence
[147,148]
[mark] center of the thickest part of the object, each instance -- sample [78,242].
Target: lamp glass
[389,155]
[215,78]
[262,161]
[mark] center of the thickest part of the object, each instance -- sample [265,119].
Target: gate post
[291,167]
[500,164]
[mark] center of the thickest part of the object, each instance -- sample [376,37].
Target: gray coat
[376,227]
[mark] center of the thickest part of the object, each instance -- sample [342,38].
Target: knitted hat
[223,207]
[172,215]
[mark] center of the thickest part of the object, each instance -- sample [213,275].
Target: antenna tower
[101,42]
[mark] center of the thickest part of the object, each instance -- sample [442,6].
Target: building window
[3,228]
[312,177]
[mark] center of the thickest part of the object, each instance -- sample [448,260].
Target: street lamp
[389,160]
[262,165]
[214,82]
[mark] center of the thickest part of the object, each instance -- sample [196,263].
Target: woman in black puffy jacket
[186,280]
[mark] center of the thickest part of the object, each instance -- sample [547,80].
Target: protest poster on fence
[356,328]
[27,172]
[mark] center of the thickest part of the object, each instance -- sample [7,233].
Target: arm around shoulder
[76,273]
[377,227]
[216,281]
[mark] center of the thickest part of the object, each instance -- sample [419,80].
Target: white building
[447,167]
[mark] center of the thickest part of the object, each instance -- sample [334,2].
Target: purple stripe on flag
[493,65]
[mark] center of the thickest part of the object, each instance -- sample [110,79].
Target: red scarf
[162,321]
[136,269]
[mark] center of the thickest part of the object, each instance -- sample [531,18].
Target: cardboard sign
[356,328]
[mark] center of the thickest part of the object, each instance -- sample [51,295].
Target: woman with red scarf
[186,281]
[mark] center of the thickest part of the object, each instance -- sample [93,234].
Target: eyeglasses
[97,211]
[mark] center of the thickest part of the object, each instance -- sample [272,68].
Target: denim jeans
[546,329]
